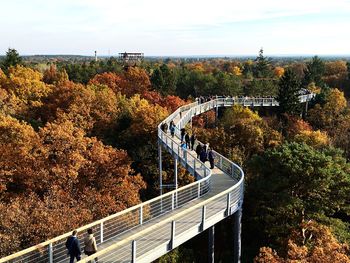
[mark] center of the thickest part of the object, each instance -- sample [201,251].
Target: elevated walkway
[149,230]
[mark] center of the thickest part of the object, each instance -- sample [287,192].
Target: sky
[176,28]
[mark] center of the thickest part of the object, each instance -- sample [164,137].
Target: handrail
[190,110]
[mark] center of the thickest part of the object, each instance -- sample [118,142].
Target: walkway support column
[237,217]
[216,115]
[175,172]
[175,180]
[306,107]
[160,168]
[211,244]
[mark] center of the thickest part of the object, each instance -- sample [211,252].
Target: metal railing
[116,228]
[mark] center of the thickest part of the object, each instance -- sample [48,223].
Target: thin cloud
[148,25]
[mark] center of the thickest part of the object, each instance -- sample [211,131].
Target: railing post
[172,239]
[141,215]
[50,253]
[199,189]
[232,171]
[172,201]
[101,232]
[133,251]
[203,217]
[175,172]
[194,168]
[221,162]
[211,244]
[228,204]
[160,169]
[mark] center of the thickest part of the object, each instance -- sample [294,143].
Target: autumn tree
[26,90]
[136,81]
[316,139]
[50,173]
[278,72]
[311,242]
[241,133]
[325,114]
[52,75]
[112,80]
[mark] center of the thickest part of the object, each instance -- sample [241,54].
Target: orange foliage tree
[58,171]
[312,243]
[53,76]
[134,80]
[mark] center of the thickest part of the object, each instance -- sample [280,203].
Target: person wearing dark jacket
[187,140]
[172,131]
[183,131]
[199,149]
[193,140]
[211,158]
[73,246]
[203,156]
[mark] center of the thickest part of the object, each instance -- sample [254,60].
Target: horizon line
[194,55]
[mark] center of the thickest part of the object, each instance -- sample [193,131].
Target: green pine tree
[288,89]
[314,72]
[12,58]
[262,67]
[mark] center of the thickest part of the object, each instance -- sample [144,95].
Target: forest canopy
[78,142]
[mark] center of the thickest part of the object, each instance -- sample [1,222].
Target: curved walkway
[149,230]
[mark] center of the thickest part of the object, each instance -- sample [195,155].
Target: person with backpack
[203,156]
[199,149]
[211,157]
[90,244]
[73,246]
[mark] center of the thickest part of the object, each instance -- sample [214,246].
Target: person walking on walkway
[203,156]
[183,131]
[90,244]
[187,140]
[172,128]
[193,140]
[211,157]
[172,131]
[199,149]
[73,246]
